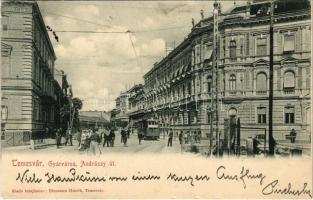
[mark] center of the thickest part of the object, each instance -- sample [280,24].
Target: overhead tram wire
[81,20]
[134,49]
[100,32]
[109,26]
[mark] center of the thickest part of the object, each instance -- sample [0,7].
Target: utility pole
[215,68]
[270,103]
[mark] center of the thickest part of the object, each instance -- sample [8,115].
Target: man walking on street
[106,139]
[170,138]
[128,132]
[95,140]
[111,137]
[68,137]
[79,138]
[180,137]
[58,137]
[140,137]
[124,137]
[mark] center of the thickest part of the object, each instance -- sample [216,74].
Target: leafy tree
[77,104]
[68,110]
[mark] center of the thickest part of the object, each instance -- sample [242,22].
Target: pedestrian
[199,136]
[111,137]
[124,137]
[69,137]
[106,138]
[170,139]
[84,140]
[180,137]
[140,137]
[121,135]
[95,140]
[79,138]
[185,137]
[58,136]
[128,132]
[293,135]
[189,137]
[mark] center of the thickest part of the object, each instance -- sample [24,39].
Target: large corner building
[178,89]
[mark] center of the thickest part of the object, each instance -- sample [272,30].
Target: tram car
[149,129]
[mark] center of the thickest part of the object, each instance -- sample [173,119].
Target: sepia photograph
[167,82]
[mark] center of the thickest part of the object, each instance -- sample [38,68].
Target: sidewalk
[46,143]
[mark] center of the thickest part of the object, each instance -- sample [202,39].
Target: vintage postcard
[156,99]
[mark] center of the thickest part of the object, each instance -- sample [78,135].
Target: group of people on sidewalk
[184,138]
[68,137]
[90,139]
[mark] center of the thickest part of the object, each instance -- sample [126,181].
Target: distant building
[92,119]
[96,113]
[119,116]
[27,72]
[136,103]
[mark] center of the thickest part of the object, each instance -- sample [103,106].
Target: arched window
[261,83]
[289,82]
[232,82]
[232,49]
[232,112]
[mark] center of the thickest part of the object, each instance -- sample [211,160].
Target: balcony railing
[232,93]
[289,91]
[261,92]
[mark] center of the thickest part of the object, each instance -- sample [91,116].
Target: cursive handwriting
[27,178]
[145,178]
[242,176]
[272,188]
[174,177]
[222,174]
[73,177]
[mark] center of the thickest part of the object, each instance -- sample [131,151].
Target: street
[146,146]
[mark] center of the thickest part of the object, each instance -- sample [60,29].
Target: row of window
[41,78]
[261,82]
[261,85]
[42,113]
[261,43]
[289,115]
[261,49]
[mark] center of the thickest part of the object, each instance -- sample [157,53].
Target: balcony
[289,90]
[232,93]
[261,92]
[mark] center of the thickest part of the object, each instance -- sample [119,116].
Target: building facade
[27,72]
[178,90]
[94,119]
[119,115]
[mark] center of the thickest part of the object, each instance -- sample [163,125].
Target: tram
[149,129]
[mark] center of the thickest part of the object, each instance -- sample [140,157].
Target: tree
[70,114]
[77,105]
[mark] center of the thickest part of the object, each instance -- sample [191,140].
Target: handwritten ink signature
[272,188]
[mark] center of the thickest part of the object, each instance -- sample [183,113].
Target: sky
[100,66]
